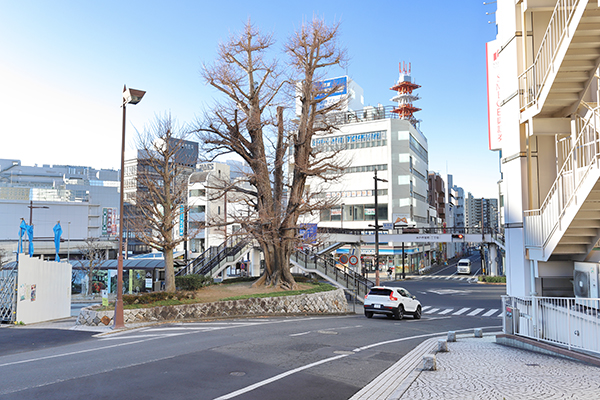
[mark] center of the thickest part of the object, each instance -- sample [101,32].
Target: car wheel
[368,314]
[400,313]
[417,314]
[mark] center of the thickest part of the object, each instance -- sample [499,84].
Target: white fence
[570,322]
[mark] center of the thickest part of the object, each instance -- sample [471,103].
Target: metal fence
[570,322]
[8,292]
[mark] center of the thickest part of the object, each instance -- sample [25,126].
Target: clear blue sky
[63,65]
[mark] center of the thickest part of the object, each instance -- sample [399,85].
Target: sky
[63,65]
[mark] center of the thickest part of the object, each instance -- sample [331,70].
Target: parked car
[392,301]
[463,266]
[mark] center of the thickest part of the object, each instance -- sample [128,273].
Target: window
[198,193]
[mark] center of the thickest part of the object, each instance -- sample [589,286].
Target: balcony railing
[533,79]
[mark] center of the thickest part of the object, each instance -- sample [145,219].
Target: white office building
[384,140]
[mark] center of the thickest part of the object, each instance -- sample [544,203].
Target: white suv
[391,301]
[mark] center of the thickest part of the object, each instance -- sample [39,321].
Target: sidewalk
[480,368]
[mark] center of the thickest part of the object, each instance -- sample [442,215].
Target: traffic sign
[353,260]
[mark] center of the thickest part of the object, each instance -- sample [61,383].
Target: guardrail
[570,322]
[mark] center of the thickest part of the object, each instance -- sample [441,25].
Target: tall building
[481,212]
[387,140]
[436,194]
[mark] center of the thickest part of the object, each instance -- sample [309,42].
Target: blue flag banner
[57,234]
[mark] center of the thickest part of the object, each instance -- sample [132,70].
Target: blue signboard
[308,232]
[325,87]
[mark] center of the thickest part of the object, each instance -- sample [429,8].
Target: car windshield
[463,263]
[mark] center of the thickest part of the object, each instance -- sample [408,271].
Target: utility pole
[377,230]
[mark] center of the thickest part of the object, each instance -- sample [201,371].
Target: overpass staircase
[567,224]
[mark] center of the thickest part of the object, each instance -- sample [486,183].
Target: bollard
[478,332]
[451,336]
[442,346]
[429,363]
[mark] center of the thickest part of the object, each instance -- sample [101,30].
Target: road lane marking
[446,311]
[489,313]
[431,311]
[475,312]
[300,334]
[461,311]
[425,308]
[299,369]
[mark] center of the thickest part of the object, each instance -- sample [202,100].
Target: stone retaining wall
[331,302]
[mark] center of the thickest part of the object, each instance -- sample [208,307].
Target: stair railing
[533,79]
[541,223]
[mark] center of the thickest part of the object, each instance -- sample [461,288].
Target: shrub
[192,282]
[153,297]
[492,279]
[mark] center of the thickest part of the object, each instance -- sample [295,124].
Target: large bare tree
[251,123]
[160,199]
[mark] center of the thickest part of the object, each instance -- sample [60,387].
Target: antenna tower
[404,88]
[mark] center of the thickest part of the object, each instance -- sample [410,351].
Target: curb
[394,381]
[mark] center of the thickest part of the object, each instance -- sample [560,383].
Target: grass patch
[157,299]
[319,287]
[492,279]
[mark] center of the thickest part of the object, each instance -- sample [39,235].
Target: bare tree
[93,253]
[161,189]
[250,122]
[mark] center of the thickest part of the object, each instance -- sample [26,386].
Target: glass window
[370,212]
[382,212]
[336,213]
[325,215]
[359,213]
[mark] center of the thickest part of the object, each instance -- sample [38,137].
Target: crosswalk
[466,311]
[447,277]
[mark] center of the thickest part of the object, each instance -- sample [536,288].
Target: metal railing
[533,79]
[584,155]
[8,292]
[570,322]
[337,272]
[216,257]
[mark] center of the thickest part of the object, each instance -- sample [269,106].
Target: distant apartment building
[436,194]
[481,212]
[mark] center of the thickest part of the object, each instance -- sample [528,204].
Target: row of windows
[355,212]
[366,168]
[351,193]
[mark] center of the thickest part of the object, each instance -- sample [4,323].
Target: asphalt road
[263,358]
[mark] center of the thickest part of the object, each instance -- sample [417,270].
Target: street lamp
[375,178]
[342,217]
[130,96]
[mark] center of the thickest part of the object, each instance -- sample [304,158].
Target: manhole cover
[237,373]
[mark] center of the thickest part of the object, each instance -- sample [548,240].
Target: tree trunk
[277,266]
[169,271]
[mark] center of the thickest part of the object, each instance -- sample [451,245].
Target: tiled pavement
[479,368]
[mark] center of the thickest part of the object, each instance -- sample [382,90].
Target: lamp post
[130,96]
[342,217]
[376,179]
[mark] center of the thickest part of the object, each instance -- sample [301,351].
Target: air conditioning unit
[585,284]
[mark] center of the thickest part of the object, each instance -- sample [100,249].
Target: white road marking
[293,371]
[489,313]
[300,334]
[446,311]
[425,308]
[461,311]
[431,311]
[475,312]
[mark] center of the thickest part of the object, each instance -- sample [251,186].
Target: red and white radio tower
[404,88]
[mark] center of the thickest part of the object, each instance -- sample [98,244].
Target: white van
[463,266]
